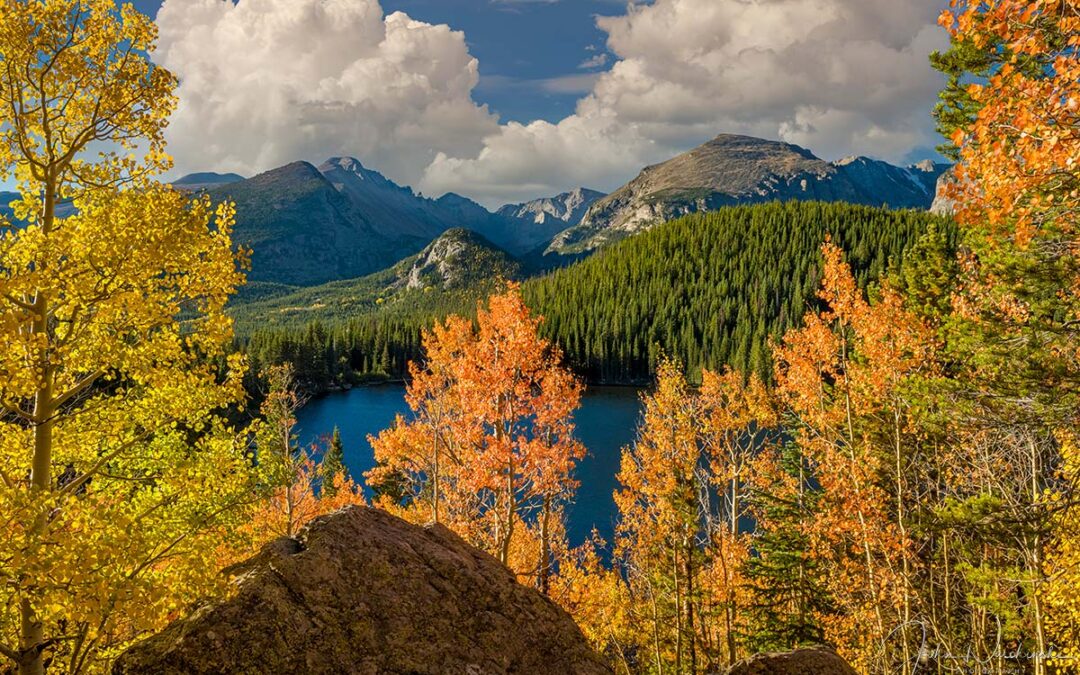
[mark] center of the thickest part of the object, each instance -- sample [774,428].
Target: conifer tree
[333,464]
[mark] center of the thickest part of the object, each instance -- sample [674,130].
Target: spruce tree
[333,464]
[786,587]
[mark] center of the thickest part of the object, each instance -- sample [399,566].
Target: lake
[606,422]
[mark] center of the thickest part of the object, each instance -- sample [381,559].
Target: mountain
[470,215]
[392,210]
[193,182]
[531,224]
[458,267]
[64,208]
[309,225]
[944,205]
[900,187]
[733,169]
[458,259]
[5,204]
[205,180]
[304,231]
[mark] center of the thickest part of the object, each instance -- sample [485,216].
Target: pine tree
[788,595]
[333,464]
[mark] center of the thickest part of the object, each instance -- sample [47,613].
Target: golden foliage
[117,483]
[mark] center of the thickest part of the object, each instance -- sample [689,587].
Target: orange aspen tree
[842,374]
[1018,310]
[598,598]
[286,509]
[422,455]
[290,477]
[492,435]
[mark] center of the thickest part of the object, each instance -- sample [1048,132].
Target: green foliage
[333,464]
[712,289]
[956,109]
[928,276]
[787,587]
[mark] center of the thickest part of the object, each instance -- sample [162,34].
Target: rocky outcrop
[360,591]
[943,204]
[458,259]
[809,661]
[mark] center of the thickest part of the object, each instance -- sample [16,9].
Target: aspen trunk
[543,579]
[691,632]
[32,632]
[1039,661]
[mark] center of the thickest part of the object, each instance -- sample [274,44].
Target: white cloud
[838,76]
[266,82]
[594,61]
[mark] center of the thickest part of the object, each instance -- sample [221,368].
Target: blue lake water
[606,422]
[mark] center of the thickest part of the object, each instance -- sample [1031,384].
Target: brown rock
[360,591]
[809,661]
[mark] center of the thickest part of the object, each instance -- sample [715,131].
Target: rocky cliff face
[458,259]
[943,205]
[733,169]
[360,591]
[534,223]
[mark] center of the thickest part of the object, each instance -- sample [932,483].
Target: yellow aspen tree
[117,483]
[734,416]
[661,520]
[1063,563]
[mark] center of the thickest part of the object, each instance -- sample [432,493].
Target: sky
[506,100]
[532,53]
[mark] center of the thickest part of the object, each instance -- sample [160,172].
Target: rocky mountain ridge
[539,220]
[341,220]
[732,169]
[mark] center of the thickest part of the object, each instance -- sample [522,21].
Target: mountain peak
[458,258]
[735,169]
[849,160]
[351,164]
[536,222]
[206,179]
[752,144]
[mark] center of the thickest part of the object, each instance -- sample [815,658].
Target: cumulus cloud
[838,76]
[266,82]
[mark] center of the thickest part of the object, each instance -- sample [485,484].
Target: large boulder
[361,591]
[809,661]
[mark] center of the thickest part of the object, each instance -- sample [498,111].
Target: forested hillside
[711,289]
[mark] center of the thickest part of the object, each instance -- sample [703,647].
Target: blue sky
[509,100]
[530,51]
